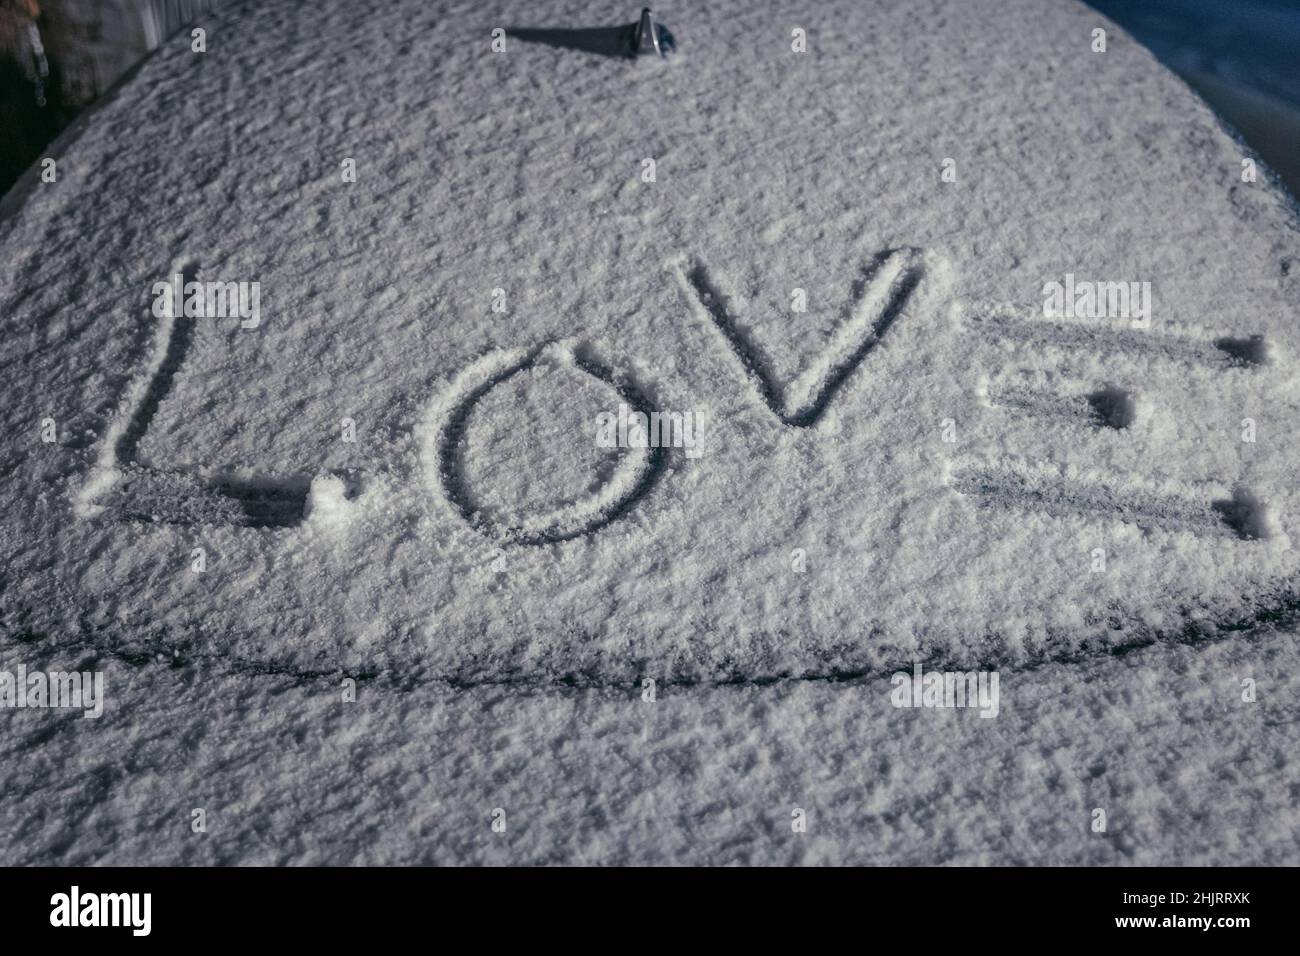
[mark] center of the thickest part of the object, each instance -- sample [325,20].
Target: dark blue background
[1241,56]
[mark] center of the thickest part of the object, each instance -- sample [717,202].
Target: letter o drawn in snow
[445,445]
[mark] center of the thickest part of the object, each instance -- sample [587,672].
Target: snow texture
[500,273]
[288,774]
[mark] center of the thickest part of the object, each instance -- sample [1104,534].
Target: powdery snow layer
[501,273]
[395,473]
[1160,739]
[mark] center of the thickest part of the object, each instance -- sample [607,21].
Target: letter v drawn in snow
[879,297]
